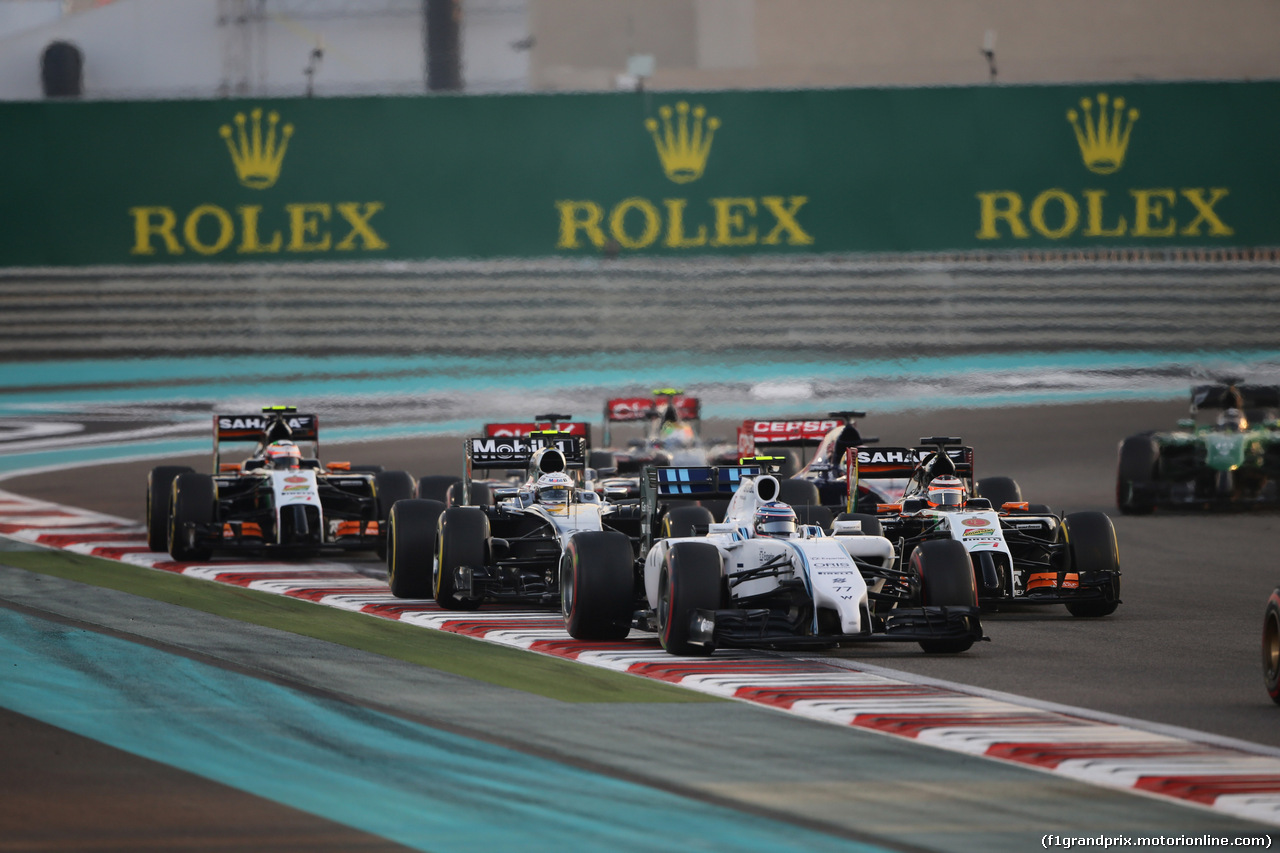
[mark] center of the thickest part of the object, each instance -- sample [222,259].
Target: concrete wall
[141,49]
[712,44]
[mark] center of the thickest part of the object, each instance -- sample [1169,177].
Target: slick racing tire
[389,487]
[690,581]
[871,525]
[159,485]
[411,547]
[481,494]
[462,540]
[1136,472]
[945,575]
[1271,646]
[193,500]
[435,487]
[796,492]
[597,586]
[1092,549]
[682,521]
[999,490]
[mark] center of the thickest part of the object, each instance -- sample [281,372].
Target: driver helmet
[946,491]
[554,488]
[775,520]
[675,435]
[283,454]
[1232,420]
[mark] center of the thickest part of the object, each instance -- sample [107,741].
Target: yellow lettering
[570,223]
[359,222]
[675,226]
[730,222]
[304,222]
[143,229]
[1070,214]
[652,223]
[1095,227]
[991,211]
[1148,205]
[1217,228]
[249,242]
[226,229]
[786,216]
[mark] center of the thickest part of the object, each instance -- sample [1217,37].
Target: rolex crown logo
[1103,142]
[257,156]
[682,149]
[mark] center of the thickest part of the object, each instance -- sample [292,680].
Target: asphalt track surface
[1182,650]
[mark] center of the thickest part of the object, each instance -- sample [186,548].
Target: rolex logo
[1103,141]
[682,148]
[256,155]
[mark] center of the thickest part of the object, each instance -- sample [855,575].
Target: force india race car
[1019,552]
[511,550]
[826,470]
[725,585]
[292,504]
[1231,463]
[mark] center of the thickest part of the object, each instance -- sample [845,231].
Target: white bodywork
[823,562]
[568,520]
[979,531]
[294,486]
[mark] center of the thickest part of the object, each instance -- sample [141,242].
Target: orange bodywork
[1042,580]
[353,528]
[247,529]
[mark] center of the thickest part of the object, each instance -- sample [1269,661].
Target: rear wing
[520,429]
[275,423]
[787,433]
[659,484]
[636,409]
[897,463]
[1235,397]
[485,454]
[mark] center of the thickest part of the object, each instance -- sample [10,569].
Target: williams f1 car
[745,582]
[277,500]
[1233,462]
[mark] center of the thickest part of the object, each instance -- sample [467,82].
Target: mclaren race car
[1232,462]
[447,488]
[760,579]
[1020,552]
[672,432]
[279,499]
[510,550]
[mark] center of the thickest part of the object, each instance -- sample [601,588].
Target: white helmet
[554,488]
[775,520]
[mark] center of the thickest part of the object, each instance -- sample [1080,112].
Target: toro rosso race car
[512,549]
[1019,552]
[761,579]
[276,500]
[1233,462]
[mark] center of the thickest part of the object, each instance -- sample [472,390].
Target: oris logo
[975,522]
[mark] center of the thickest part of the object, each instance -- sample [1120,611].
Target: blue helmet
[775,520]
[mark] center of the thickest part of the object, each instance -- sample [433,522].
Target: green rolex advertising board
[962,169]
